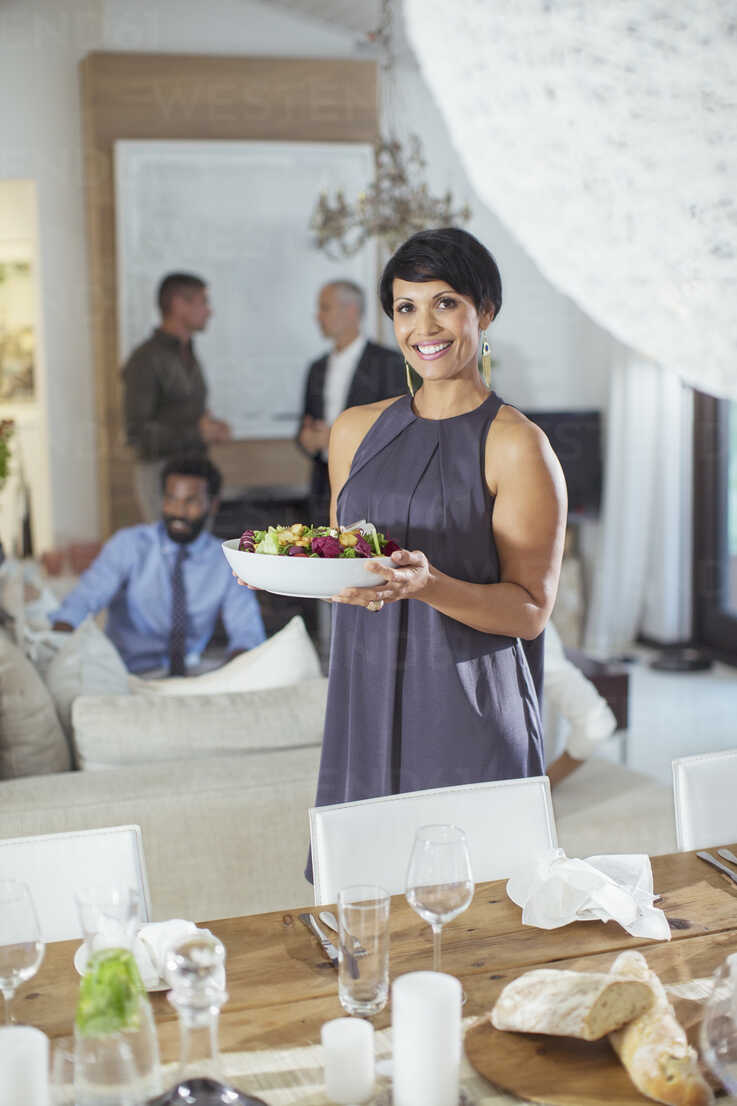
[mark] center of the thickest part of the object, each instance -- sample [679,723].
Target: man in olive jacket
[165,394]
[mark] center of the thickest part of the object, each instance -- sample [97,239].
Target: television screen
[576,438]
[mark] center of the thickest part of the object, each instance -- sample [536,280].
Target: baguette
[587,1005]
[653,1047]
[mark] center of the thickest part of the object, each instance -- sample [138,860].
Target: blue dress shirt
[132,578]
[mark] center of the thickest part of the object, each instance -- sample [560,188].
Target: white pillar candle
[348,1051]
[24,1066]
[426,1033]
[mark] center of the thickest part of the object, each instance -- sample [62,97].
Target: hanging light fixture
[397,202]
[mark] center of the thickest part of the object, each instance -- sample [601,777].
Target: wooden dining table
[282,988]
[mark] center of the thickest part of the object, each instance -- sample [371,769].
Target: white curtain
[604,136]
[643,565]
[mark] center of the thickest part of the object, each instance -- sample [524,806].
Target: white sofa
[226,832]
[220,783]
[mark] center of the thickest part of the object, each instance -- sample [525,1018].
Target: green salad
[299,540]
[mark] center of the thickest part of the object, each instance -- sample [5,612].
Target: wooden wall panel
[161,96]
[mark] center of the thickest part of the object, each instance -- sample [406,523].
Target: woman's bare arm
[529,527]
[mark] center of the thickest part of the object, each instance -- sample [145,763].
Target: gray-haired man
[354,372]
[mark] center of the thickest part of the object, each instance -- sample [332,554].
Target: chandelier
[398,201]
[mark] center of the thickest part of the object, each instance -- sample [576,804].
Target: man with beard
[165,583]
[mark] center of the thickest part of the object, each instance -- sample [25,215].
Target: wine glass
[439,879]
[21,947]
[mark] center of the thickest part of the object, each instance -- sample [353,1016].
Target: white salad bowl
[306,577]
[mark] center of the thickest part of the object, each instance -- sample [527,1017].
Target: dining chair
[56,865]
[369,841]
[704,790]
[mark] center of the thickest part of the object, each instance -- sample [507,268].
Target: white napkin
[150,946]
[554,890]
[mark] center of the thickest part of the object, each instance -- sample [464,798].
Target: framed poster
[237,214]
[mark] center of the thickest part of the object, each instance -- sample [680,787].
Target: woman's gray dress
[416,699]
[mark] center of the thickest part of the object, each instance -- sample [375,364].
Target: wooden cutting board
[560,1071]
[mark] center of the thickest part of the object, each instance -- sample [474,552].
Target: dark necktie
[178,634]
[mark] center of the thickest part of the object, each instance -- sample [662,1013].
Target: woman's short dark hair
[194,465]
[448,254]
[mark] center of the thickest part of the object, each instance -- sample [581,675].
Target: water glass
[61,1072]
[718,1032]
[363,949]
[21,947]
[109,917]
[105,1072]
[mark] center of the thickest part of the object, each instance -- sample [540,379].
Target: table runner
[294,1076]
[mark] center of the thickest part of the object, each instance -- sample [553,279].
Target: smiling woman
[439,684]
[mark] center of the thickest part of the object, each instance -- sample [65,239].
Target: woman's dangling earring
[408,370]
[486,361]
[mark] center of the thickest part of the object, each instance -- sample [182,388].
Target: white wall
[550,354]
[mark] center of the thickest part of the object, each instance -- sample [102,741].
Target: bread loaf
[653,1047]
[569,1004]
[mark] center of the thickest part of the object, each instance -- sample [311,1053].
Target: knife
[727,855]
[328,947]
[718,864]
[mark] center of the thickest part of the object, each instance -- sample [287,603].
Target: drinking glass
[718,1033]
[124,1023]
[105,1072]
[21,947]
[61,1072]
[363,948]
[108,916]
[439,879]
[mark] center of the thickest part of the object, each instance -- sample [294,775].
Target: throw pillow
[86,664]
[32,742]
[111,732]
[287,657]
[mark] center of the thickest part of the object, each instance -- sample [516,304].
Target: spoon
[329,919]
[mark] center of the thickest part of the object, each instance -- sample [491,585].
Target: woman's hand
[406,578]
[243,584]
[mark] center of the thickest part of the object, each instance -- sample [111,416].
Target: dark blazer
[379,375]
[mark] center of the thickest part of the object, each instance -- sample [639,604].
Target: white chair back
[705,799]
[56,865]
[370,841]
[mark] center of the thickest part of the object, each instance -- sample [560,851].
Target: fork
[331,922]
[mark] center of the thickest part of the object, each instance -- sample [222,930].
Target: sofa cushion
[222,837]
[110,731]
[86,664]
[32,742]
[287,657]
